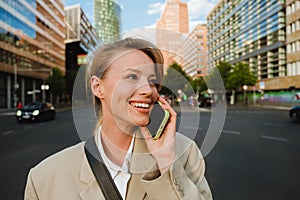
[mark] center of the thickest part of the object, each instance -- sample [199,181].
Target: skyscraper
[174,17]
[173,23]
[107,20]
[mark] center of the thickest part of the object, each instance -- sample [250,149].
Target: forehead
[131,59]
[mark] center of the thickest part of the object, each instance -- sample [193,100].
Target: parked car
[294,113]
[205,100]
[36,111]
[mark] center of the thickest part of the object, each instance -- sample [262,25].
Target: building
[194,52]
[252,32]
[107,20]
[31,44]
[81,39]
[293,42]
[171,28]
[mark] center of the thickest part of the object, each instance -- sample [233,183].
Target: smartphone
[158,120]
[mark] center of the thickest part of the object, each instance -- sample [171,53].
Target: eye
[131,76]
[153,82]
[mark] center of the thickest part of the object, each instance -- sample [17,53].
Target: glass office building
[32,36]
[107,20]
[252,32]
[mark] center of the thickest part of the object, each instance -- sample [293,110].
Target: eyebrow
[137,71]
[131,69]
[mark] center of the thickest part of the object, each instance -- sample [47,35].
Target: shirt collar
[114,168]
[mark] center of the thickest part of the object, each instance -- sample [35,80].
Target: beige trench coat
[67,175]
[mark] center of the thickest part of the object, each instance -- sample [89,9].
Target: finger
[145,132]
[164,104]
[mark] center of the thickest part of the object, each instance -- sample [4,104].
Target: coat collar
[91,190]
[141,162]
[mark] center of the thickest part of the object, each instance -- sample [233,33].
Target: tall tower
[173,22]
[107,19]
[174,17]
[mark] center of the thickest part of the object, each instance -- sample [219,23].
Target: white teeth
[140,105]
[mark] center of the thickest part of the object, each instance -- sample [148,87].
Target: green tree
[218,77]
[198,84]
[57,84]
[175,79]
[240,76]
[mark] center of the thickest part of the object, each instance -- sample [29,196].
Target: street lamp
[44,87]
[245,88]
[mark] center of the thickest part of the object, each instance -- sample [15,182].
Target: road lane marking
[192,127]
[8,132]
[231,132]
[275,125]
[27,127]
[274,138]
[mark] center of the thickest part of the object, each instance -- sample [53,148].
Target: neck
[115,142]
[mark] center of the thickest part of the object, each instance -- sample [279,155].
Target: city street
[256,156]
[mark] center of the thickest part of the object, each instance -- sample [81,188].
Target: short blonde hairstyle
[102,58]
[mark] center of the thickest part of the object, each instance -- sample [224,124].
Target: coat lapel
[141,162]
[141,159]
[91,189]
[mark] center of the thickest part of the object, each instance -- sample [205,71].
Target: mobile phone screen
[158,120]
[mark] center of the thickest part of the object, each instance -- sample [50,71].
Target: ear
[97,87]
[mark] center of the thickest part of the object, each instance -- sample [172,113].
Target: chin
[142,123]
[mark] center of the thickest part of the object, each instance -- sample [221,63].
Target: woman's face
[129,90]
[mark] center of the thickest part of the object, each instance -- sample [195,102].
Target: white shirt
[120,175]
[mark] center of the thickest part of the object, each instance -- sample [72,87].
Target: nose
[145,89]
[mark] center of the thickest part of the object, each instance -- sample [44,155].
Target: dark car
[205,100]
[36,111]
[295,113]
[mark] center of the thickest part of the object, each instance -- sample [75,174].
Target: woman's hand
[163,149]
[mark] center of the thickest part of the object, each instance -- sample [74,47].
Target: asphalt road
[256,155]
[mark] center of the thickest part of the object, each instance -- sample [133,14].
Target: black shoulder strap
[100,171]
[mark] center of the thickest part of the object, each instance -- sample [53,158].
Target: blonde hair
[104,56]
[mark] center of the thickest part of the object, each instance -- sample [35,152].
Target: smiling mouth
[140,105]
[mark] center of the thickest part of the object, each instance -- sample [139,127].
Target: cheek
[121,92]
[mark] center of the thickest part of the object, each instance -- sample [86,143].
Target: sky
[138,14]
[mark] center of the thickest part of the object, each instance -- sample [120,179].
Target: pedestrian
[191,102]
[20,105]
[124,79]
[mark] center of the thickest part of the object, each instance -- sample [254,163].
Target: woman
[124,79]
